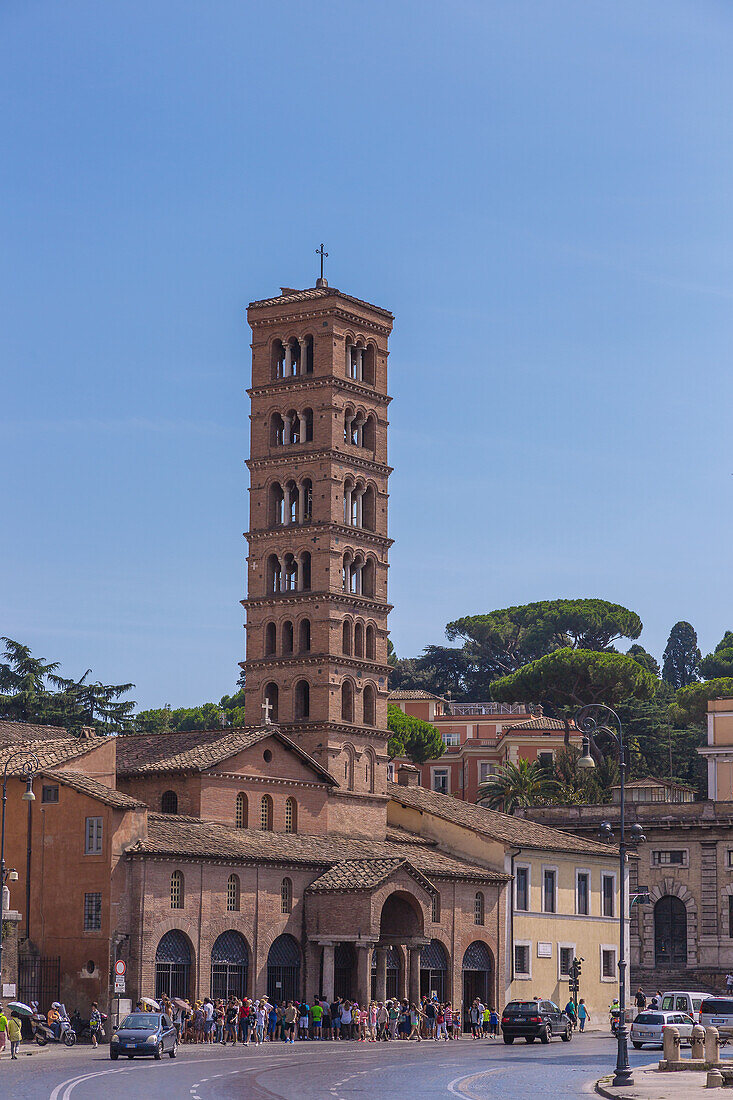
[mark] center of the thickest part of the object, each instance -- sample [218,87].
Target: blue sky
[540,191]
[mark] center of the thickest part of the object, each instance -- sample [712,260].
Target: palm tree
[524,784]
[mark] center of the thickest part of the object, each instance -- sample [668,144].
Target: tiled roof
[29,731]
[497,826]
[652,781]
[174,836]
[313,293]
[84,784]
[410,693]
[198,750]
[49,753]
[356,874]
[540,723]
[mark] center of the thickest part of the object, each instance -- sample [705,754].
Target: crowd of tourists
[252,1022]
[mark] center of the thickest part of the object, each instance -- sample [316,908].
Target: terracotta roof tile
[29,731]
[174,836]
[313,293]
[540,723]
[411,693]
[198,750]
[84,784]
[491,823]
[49,753]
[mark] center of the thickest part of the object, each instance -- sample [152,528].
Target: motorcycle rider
[54,1019]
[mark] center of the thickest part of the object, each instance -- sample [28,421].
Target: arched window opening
[370,363]
[240,811]
[291,816]
[308,350]
[276,506]
[177,898]
[369,509]
[286,896]
[370,643]
[291,504]
[369,433]
[270,639]
[306,500]
[290,574]
[306,426]
[478,908]
[229,966]
[169,802]
[348,500]
[274,574]
[291,432]
[287,637]
[435,909]
[271,702]
[370,773]
[305,571]
[350,358]
[348,418]
[358,639]
[173,965]
[277,430]
[367,578]
[277,360]
[290,366]
[304,636]
[349,762]
[233,894]
[302,700]
[347,701]
[346,638]
[370,705]
[266,814]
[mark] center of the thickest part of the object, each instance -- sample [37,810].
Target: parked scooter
[43,1033]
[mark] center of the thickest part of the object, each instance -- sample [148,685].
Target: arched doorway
[344,963]
[433,970]
[393,974]
[401,918]
[173,965]
[283,970]
[229,964]
[478,969]
[670,933]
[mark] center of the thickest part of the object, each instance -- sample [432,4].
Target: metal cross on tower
[322,254]
[267,707]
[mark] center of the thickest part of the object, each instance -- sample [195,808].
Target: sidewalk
[650,1084]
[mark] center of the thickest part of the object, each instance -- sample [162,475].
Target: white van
[717,1012]
[681,1001]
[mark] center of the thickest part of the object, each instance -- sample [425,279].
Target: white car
[717,1012]
[648,1026]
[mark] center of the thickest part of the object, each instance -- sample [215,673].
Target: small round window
[267,755]
[91,966]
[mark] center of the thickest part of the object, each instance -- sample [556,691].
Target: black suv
[532,1020]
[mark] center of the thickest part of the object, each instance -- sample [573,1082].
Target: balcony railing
[490,708]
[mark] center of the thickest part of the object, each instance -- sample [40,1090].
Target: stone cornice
[361,664]
[303,383]
[300,457]
[277,781]
[293,728]
[315,314]
[283,599]
[307,529]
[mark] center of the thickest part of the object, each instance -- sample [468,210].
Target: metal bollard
[697,1040]
[671,1044]
[712,1046]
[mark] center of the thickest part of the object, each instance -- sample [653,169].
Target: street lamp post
[26,771]
[592,720]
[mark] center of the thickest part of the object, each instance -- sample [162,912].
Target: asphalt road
[321,1071]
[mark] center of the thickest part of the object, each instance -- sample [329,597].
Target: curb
[603,1091]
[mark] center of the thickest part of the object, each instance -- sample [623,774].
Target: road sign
[119,983]
[120,968]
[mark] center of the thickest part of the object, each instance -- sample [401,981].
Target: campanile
[317,568]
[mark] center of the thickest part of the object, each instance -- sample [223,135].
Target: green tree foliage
[583,787]
[411,737]
[526,783]
[570,678]
[719,663]
[692,701]
[640,655]
[681,659]
[32,691]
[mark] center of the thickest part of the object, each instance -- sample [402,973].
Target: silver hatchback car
[648,1027]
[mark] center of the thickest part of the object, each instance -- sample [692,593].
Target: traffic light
[578,964]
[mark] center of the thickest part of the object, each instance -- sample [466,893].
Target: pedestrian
[219,1021]
[230,1019]
[317,1020]
[208,1009]
[448,1013]
[640,999]
[440,1032]
[416,1017]
[393,1016]
[95,1023]
[327,1033]
[372,1021]
[729,982]
[346,1020]
[289,1017]
[457,1022]
[336,1018]
[570,1011]
[3,1030]
[382,1021]
[14,1034]
[486,1020]
[583,1014]
[494,1024]
[304,1012]
[475,1016]
[429,1013]
[261,1022]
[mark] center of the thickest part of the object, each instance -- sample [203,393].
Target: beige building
[563,904]
[719,749]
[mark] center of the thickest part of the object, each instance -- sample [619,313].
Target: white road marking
[453,1085]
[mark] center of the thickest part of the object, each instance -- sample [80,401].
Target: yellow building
[719,750]
[562,904]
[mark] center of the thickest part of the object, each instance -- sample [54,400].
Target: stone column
[414,986]
[283,581]
[288,360]
[363,973]
[286,505]
[360,364]
[298,575]
[287,430]
[303,354]
[359,509]
[381,973]
[347,507]
[328,971]
[301,504]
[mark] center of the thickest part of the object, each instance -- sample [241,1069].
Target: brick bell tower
[317,568]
